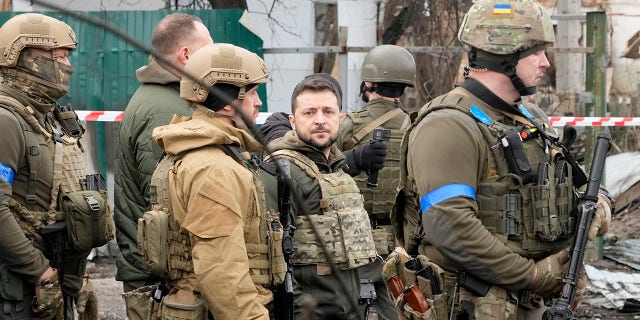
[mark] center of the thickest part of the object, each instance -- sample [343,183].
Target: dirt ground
[625,225]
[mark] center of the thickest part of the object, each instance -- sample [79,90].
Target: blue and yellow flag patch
[500,8]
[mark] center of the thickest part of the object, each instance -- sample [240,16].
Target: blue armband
[446,192]
[6,173]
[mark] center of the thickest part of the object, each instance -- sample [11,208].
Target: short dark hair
[317,82]
[172,32]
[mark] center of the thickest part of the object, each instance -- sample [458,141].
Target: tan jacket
[215,199]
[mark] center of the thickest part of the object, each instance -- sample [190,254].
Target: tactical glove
[601,218]
[370,157]
[48,299]
[547,275]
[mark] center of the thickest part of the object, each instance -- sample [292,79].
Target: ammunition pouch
[69,120]
[89,221]
[417,294]
[276,255]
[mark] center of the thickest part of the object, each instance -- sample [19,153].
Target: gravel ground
[108,291]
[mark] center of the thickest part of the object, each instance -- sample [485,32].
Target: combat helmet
[500,32]
[219,64]
[33,30]
[389,63]
[391,67]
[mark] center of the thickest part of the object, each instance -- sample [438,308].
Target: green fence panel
[104,65]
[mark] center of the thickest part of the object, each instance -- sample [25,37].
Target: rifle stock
[562,308]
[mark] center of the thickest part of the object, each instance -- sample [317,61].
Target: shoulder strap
[304,163]
[33,146]
[369,127]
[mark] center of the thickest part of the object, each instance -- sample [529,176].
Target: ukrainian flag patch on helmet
[501,8]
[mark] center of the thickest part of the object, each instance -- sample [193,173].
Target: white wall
[283,27]
[624,21]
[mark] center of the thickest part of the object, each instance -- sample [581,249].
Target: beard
[312,142]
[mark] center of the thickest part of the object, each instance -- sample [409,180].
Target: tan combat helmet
[33,30]
[505,27]
[389,63]
[221,63]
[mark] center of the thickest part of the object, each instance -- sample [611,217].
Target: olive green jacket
[152,105]
[447,147]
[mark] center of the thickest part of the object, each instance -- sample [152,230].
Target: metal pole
[597,63]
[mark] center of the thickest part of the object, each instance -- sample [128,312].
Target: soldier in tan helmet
[42,175]
[487,196]
[224,248]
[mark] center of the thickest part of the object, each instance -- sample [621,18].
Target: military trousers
[318,293]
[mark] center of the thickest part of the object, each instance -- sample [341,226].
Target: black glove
[369,157]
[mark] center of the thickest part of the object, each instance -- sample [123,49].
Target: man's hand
[601,218]
[546,280]
[48,299]
[370,156]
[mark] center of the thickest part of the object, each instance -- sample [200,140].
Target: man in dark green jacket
[175,37]
[332,202]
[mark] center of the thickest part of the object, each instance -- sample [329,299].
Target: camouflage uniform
[41,161]
[315,280]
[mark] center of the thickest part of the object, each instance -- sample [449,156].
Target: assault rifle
[284,292]
[562,307]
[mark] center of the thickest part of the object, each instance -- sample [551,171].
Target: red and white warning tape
[594,121]
[114,116]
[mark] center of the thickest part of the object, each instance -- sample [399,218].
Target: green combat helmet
[36,31]
[391,67]
[500,32]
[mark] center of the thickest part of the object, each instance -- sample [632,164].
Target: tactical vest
[529,217]
[343,225]
[378,201]
[266,259]
[68,171]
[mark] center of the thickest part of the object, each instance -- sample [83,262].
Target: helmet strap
[364,89]
[505,64]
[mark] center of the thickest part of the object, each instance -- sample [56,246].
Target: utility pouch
[69,120]
[565,198]
[89,222]
[138,303]
[406,221]
[476,286]
[383,238]
[153,241]
[516,156]
[276,255]
[545,217]
[11,286]
[497,304]
[182,305]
